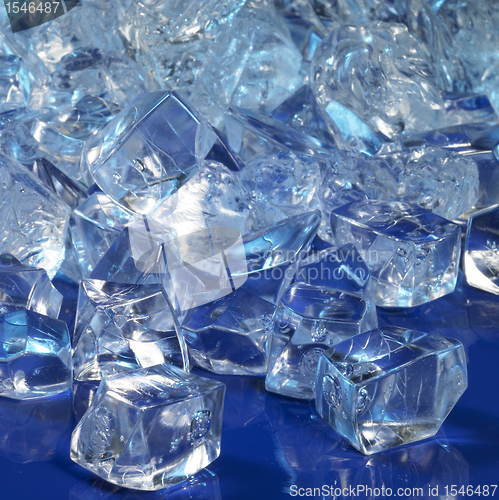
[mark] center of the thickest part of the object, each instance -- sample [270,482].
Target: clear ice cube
[97,223]
[35,355]
[412,254]
[33,219]
[390,386]
[151,428]
[228,335]
[26,287]
[341,269]
[148,151]
[309,320]
[123,327]
[395,91]
[281,185]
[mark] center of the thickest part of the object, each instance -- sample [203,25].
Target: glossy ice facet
[151,428]
[393,92]
[464,108]
[390,386]
[253,65]
[281,185]
[98,222]
[270,252]
[35,355]
[309,320]
[26,287]
[33,219]
[251,134]
[412,254]
[73,193]
[148,150]
[122,327]
[481,257]
[341,269]
[228,336]
[15,84]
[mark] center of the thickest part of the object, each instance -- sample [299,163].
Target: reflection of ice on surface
[32,431]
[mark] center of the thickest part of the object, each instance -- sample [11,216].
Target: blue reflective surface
[270,443]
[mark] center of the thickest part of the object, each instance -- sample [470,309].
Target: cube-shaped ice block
[342,269]
[390,386]
[150,428]
[148,151]
[26,287]
[412,254]
[308,321]
[35,355]
[123,327]
[481,257]
[228,335]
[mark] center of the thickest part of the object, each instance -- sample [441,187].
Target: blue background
[270,443]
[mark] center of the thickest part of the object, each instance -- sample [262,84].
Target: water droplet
[344,415]
[319,331]
[200,424]
[331,390]
[117,176]
[362,399]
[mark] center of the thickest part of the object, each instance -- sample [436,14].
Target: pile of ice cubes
[239,185]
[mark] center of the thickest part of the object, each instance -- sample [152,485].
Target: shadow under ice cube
[309,320]
[412,254]
[390,386]
[35,355]
[151,428]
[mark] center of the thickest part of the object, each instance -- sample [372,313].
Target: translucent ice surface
[151,428]
[308,321]
[122,327]
[390,386]
[26,287]
[35,355]
[281,185]
[33,219]
[441,181]
[228,336]
[412,254]
[148,151]
[375,71]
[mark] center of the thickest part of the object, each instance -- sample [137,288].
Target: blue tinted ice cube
[390,386]
[35,355]
[151,428]
[309,320]
[412,254]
